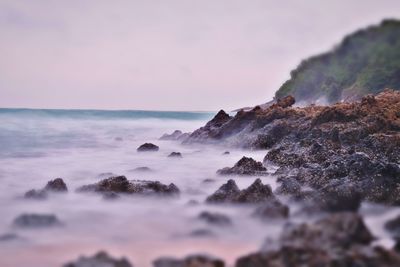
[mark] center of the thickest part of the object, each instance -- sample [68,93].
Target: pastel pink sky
[165,55]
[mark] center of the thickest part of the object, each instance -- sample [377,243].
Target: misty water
[84,147]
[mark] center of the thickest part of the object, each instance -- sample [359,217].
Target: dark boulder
[56,185]
[101,259]
[190,261]
[147,147]
[215,218]
[289,186]
[32,220]
[142,169]
[120,184]
[245,166]
[230,193]
[175,155]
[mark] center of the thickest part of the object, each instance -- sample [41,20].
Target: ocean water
[85,146]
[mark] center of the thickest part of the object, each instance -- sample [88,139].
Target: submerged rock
[245,166]
[147,147]
[190,261]
[230,193]
[56,186]
[175,155]
[202,233]
[177,135]
[272,209]
[142,169]
[32,220]
[120,184]
[215,218]
[8,237]
[101,259]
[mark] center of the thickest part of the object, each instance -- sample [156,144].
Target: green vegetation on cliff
[366,61]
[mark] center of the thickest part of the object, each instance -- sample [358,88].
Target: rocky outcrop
[341,239]
[245,166]
[148,147]
[230,193]
[272,209]
[190,261]
[121,185]
[55,186]
[32,220]
[100,259]
[347,151]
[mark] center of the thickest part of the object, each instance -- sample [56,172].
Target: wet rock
[120,184]
[177,135]
[289,185]
[175,155]
[190,261]
[215,218]
[101,259]
[208,181]
[245,166]
[272,209]
[230,193]
[142,169]
[146,147]
[226,153]
[202,233]
[56,186]
[32,220]
[341,239]
[8,237]
[226,193]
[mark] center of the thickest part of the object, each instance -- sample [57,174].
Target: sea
[85,146]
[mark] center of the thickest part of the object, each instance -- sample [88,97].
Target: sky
[166,55]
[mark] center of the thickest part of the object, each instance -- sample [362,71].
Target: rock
[272,209]
[285,102]
[215,218]
[341,239]
[208,181]
[55,186]
[226,193]
[120,184]
[146,147]
[8,237]
[202,233]
[177,135]
[119,139]
[190,261]
[245,166]
[230,193]
[101,259]
[142,169]
[226,153]
[289,186]
[32,220]
[175,155]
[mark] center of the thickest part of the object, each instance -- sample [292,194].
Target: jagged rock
[100,259]
[120,184]
[286,101]
[190,261]
[272,209]
[57,186]
[147,147]
[289,185]
[215,218]
[175,155]
[230,193]
[341,239]
[32,220]
[245,166]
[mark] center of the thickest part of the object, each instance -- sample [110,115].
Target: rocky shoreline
[328,160]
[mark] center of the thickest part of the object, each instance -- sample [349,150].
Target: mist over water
[84,147]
